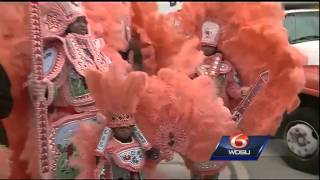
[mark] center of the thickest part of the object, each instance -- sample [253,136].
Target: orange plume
[106,21]
[115,91]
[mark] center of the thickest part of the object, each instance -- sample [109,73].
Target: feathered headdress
[57,16]
[116,93]
[163,38]
[210,33]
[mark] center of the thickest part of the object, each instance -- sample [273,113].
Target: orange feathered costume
[253,39]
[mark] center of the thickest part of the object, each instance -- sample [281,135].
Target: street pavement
[269,166]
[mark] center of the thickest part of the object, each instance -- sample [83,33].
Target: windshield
[302,26]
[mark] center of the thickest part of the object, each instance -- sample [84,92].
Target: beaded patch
[59,139]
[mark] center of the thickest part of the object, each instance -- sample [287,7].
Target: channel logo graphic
[239,140]
[240,147]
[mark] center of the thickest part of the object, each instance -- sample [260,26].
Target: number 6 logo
[239,140]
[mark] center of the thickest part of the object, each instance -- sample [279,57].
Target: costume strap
[106,134]
[141,139]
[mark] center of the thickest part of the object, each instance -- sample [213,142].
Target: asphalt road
[269,166]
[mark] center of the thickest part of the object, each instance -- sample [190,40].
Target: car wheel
[301,136]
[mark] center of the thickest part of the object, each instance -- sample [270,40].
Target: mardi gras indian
[122,149]
[217,67]
[224,75]
[56,85]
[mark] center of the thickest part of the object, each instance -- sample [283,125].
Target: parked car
[300,128]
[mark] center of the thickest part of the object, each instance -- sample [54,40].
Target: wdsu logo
[240,147]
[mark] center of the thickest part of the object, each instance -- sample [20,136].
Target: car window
[302,26]
[289,23]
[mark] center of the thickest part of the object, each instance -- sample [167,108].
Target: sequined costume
[224,75]
[217,67]
[118,159]
[66,58]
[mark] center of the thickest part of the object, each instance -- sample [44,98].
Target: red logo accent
[127,157]
[239,140]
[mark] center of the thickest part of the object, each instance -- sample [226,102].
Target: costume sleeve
[52,67]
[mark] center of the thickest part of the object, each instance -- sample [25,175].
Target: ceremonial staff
[40,101]
[259,84]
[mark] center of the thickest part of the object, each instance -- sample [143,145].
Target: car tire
[303,146]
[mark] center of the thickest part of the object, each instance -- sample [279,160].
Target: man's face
[123,133]
[80,26]
[208,50]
